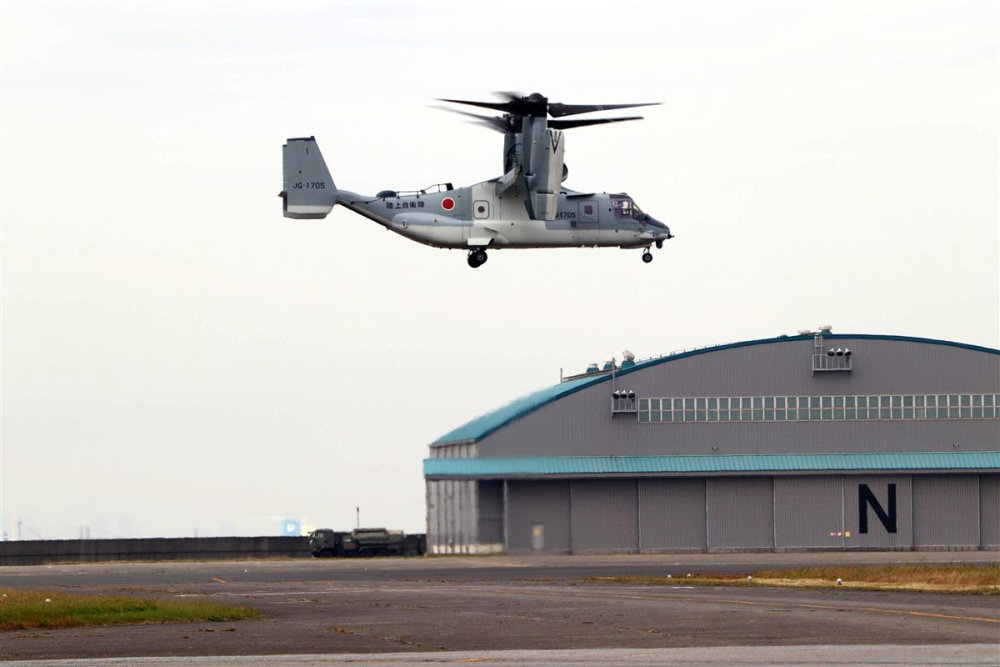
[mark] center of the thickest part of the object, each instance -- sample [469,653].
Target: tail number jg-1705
[310,185]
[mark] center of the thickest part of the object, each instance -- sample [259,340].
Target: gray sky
[178,355]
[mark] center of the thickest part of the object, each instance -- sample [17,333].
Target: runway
[481,605]
[800,656]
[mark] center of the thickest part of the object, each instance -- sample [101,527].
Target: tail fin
[309,191]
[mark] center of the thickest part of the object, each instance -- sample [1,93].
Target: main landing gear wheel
[477,258]
[647,256]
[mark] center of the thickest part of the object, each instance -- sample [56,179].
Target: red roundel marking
[447,203]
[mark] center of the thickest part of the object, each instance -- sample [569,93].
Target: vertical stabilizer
[309,191]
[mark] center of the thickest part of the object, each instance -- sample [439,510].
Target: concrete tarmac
[800,656]
[484,605]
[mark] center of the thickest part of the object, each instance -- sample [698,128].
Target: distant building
[816,441]
[291,528]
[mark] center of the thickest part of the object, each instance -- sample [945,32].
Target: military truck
[326,543]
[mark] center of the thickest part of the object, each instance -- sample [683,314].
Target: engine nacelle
[544,151]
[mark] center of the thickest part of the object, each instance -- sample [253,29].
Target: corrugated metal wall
[581,424]
[989,511]
[605,516]
[451,516]
[740,513]
[809,512]
[946,511]
[718,513]
[538,503]
[878,535]
[452,507]
[671,515]
[490,533]
[462,450]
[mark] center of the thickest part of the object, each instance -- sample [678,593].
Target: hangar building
[817,441]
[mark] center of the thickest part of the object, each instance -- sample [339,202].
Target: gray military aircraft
[527,207]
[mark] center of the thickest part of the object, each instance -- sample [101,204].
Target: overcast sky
[179,356]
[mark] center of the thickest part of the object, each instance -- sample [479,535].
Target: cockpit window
[622,207]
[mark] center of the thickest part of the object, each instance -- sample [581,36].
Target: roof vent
[628,355]
[805,332]
[826,328]
[609,365]
[592,368]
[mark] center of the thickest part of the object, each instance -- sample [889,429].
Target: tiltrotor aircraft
[527,207]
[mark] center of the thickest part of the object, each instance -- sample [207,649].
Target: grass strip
[976,579]
[33,609]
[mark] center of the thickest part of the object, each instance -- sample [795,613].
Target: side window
[621,207]
[588,211]
[481,209]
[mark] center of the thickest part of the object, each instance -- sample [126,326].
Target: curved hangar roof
[484,425]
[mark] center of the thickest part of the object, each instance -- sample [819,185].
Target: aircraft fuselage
[479,217]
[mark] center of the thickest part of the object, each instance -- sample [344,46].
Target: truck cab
[326,543]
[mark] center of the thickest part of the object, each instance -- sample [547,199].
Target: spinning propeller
[537,106]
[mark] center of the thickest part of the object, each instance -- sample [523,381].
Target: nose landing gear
[647,256]
[477,258]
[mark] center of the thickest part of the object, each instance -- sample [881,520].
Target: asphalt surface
[482,605]
[800,656]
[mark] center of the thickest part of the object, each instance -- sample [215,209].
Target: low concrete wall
[37,552]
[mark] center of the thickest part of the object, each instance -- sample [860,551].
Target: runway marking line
[752,603]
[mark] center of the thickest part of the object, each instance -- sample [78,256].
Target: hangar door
[671,515]
[605,516]
[877,511]
[538,516]
[740,513]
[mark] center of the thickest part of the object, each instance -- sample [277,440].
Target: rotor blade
[509,94]
[569,124]
[492,122]
[557,110]
[507,107]
[532,105]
